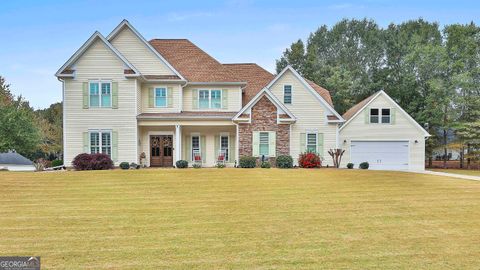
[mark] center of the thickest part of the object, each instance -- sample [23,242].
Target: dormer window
[287,94]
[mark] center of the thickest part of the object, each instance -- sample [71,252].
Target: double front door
[161,151]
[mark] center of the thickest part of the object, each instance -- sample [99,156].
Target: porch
[165,142]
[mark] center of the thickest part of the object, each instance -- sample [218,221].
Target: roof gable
[126,25]
[321,94]
[272,98]
[64,71]
[356,110]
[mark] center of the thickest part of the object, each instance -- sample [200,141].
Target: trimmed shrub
[220,165]
[284,161]
[248,162]
[309,160]
[57,162]
[197,165]
[364,165]
[350,165]
[124,165]
[181,164]
[92,162]
[134,165]
[265,165]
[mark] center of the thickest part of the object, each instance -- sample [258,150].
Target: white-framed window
[195,144]
[380,115]
[100,94]
[263,144]
[210,99]
[386,116]
[101,142]
[204,99]
[287,94]
[215,99]
[160,97]
[224,145]
[312,142]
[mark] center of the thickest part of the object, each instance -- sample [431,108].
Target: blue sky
[39,36]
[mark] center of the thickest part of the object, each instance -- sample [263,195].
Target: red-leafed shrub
[309,160]
[92,162]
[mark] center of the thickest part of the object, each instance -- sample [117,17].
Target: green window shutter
[85,95]
[86,142]
[272,143]
[224,99]
[169,97]
[367,115]
[188,146]
[114,95]
[217,146]
[303,142]
[203,148]
[320,144]
[255,143]
[392,116]
[195,99]
[114,145]
[231,149]
[151,97]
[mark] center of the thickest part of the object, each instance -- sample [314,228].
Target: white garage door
[381,155]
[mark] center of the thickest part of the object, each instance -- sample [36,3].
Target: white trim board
[307,85]
[126,23]
[271,97]
[86,45]
[381,92]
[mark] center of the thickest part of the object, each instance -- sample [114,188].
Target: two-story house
[167,100]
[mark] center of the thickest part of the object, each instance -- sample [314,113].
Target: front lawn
[240,219]
[458,171]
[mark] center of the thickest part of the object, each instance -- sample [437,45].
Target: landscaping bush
[364,165]
[197,165]
[350,165]
[92,162]
[248,162]
[309,160]
[220,165]
[134,165]
[284,161]
[57,162]
[124,165]
[181,164]
[265,165]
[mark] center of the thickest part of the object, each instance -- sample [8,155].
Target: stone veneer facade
[264,118]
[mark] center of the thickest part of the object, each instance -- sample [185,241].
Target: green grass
[458,171]
[240,219]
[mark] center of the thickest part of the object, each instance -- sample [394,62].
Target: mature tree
[6,96]
[294,56]
[50,122]
[18,131]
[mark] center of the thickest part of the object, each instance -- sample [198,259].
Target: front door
[161,151]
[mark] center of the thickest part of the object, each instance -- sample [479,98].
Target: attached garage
[381,155]
[380,132]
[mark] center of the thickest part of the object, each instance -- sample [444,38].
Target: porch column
[178,142]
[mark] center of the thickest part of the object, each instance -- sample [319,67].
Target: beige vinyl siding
[176,88]
[234,98]
[310,114]
[98,62]
[402,129]
[139,96]
[139,54]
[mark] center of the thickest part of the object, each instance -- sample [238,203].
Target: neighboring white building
[170,100]
[15,162]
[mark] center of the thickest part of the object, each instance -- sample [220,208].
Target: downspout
[63,118]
